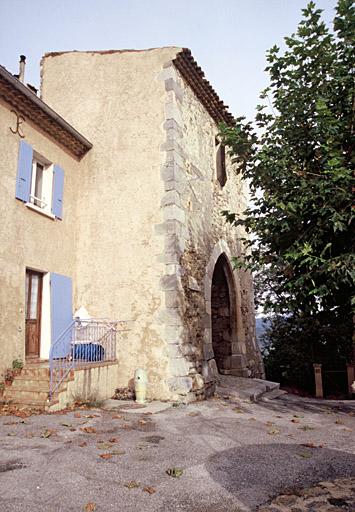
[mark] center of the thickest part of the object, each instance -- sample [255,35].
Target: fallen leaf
[295,420]
[306,427]
[64,424]
[106,456]
[89,430]
[175,472]
[72,429]
[11,434]
[346,429]
[113,440]
[269,423]
[339,422]
[149,490]
[84,443]
[305,455]
[90,507]
[11,423]
[117,417]
[238,409]
[273,431]
[252,419]
[104,446]
[298,416]
[117,452]
[142,422]
[132,484]
[48,433]
[77,415]
[193,413]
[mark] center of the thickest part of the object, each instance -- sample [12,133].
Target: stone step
[272,395]
[19,395]
[37,384]
[35,372]
[245,388]
[37,405]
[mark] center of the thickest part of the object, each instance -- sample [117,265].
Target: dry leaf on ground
[305,455]
[90,507]
[132,484]
[104,446]
[175,472]
[88,430]
[273,431]
[48,433]
[149,490]
[106,456]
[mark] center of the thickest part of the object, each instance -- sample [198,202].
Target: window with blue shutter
[58,187]
[24,172]
[61,312]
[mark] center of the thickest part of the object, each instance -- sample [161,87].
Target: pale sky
[228,38]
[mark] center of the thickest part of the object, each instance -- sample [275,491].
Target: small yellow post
[318,380]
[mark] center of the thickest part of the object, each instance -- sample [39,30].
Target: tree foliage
[299,165]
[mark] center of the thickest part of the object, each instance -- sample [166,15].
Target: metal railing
[83,343]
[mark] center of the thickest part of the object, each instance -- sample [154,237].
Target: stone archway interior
[221,317]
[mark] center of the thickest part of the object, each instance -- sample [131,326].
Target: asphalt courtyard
[213,456]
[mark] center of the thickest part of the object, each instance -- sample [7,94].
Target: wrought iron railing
[83,343]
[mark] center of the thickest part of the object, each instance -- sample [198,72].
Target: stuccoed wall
[149,229]
[195,236]
[27,238]
[116,100]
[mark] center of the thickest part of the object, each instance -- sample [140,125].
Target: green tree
[299,164]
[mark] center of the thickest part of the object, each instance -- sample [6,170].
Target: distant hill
[261,323]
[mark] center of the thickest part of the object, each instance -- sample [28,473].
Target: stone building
[124,223]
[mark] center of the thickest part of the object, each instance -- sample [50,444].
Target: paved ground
[235,456]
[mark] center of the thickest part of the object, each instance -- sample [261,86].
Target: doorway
[223,315]
[33,308]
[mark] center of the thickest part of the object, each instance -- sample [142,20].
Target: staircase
[30,389]
[248,389]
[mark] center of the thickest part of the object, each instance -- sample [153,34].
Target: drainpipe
[21,75]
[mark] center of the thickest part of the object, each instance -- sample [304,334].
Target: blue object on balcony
[88,352]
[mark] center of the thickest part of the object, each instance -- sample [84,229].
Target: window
[220,163]
[39,183]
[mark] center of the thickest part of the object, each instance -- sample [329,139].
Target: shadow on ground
[299,404]
[255,473]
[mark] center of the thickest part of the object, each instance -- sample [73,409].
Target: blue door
[61,314]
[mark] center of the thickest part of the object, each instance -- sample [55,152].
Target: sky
[228,38]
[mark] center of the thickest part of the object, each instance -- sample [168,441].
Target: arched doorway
[223,314]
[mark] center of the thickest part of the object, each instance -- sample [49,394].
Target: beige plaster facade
[29,239]
[142,231]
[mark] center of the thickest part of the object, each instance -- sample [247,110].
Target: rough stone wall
[199,235]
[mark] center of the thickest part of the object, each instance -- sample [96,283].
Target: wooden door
[33,312]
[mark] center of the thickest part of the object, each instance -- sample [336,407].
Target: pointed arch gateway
[223,314]
[224,333]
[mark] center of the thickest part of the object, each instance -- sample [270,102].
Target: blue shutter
[24,172]
[61,312]
[58,186]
